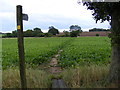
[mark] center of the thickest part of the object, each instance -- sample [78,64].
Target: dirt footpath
[54,68]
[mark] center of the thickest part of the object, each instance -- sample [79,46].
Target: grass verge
[93,76]
[35,78]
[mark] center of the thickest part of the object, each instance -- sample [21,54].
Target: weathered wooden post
[21,47]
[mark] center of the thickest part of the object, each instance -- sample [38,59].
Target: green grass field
[85,51]
[80,57]
[81,50]
[37,50]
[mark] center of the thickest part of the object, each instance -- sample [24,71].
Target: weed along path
[56,70]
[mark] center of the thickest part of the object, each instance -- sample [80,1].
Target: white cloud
[43,13]
[6,14]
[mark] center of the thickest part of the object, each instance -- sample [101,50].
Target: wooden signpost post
[21,45]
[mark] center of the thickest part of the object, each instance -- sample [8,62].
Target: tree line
[98,29]
[37,32]
[74,31]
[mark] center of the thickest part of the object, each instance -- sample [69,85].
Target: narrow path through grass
[55,70]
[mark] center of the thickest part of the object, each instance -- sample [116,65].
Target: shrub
[97,34]
[74,33]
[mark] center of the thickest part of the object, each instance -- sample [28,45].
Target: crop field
[37,50]
[86,51]
[76,51]
[83,59]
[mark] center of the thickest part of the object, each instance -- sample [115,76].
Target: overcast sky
[44,13]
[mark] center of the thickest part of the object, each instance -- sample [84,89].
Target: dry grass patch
[35,79]
[86,76]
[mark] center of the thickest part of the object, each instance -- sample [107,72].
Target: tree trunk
[114,73]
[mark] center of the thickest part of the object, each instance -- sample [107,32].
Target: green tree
[37,32]
[8,35]
[14,33]
[40,35]
[53,30]
[110,11]
[47,34]
[74,33]
[98,29]
[67,34]
[29,33]
[97,34]
[75,30]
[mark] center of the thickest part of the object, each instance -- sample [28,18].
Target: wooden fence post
[21,47]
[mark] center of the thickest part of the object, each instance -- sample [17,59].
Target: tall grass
[35,79]
[93,76]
